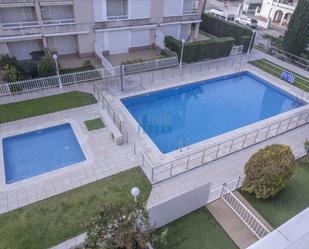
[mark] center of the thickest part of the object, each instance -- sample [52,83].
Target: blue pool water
[195,112]
[40,151]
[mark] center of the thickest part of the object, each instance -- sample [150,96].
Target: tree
[296,37]
[46,66]
[121,226]
[269,170]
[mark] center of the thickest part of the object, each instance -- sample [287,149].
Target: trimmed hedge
[222,28]
[200,50]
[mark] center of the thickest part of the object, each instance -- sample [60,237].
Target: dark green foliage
[200,50]
[296,37]
[26,69]
[46,66]
[269,170]
[221,28]
[121,225]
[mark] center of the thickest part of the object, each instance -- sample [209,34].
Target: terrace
[74,193]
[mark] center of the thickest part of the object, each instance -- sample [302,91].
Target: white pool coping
[158,158]
[80,136]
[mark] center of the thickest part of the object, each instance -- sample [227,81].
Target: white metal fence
[117,120]
[250,220]
[208,154]
[53,81]
[285,56]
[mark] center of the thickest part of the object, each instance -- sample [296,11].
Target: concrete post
[196,31]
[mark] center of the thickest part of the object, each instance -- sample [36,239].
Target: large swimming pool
[40,151]
[192,113]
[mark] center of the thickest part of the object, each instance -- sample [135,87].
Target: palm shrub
[269,170]
[11,74]
[46,66]
[122,226]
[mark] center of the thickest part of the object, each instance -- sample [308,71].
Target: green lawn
[94,124]
[292,200]
[276,70]
[51,221]
[198,230]
[39,106]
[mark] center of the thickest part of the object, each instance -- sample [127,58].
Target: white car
[247,21]
[221,14]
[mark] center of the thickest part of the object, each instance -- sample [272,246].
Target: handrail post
[152,174]
[222,190]
[188,161]
[171,169]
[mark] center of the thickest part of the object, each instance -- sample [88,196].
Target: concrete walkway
[232,225]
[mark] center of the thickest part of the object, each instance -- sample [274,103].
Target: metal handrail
[230,145]
[250,220]
[110,110]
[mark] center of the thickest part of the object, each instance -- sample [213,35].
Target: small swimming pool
[195,112]
[40,151]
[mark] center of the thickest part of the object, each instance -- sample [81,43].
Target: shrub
[7,60]
[306,146]
[46,66]
[269,170]
[124,226]
[200,50]
[221,28]
[29,69]
[11,74]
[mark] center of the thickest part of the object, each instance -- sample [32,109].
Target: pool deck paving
[232,225]
[121,157]
[103,158]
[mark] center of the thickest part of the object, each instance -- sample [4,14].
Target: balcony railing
[190,12]
[116,18]
[59,22]
[26,24]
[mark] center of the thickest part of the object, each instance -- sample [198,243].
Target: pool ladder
[182,144]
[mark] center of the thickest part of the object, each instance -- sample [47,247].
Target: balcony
[190,7]
[286,4]
[18,17]
[117,10]
[122,23]
[182,18]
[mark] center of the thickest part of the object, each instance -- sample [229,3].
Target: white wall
[119,41]
[22,49]
[171,30]
[139,9]
[173,7]
[185,31]
[99,9]
[140,38]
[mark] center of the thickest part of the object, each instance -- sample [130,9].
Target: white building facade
[76,26]
[277,12]
[125,25]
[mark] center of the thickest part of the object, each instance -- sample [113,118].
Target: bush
[124,226]
[11,74]
[7,60]
[200,50]
[46,66]
[221,28]
[269,170]
[29,69]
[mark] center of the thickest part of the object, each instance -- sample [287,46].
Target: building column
[196,31]
[4,49]
[282,19]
